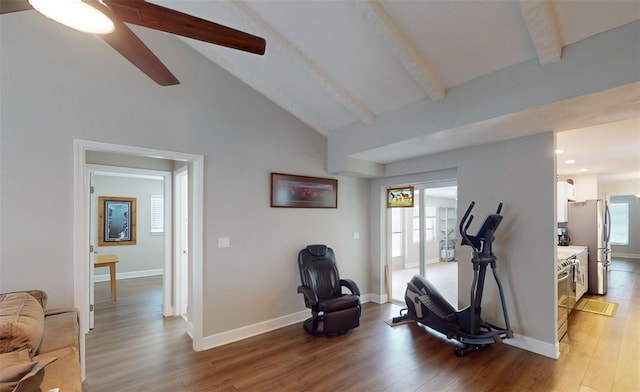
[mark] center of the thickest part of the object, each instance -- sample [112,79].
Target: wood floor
[444,275]
[133,348]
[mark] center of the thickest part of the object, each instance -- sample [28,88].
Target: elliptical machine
[427,306]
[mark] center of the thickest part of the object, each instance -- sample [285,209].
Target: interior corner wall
[521,174]
[58,86]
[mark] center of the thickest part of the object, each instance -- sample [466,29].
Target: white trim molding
[129,275]
[534,345]
[248,331]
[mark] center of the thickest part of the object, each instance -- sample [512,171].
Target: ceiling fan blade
[157,17]
[133,49]
[7,6]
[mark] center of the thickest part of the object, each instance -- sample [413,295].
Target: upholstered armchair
[332,312]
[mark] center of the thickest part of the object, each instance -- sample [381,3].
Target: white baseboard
[375,298]
[129,275]
[535,346]
[626,255]
[248,331]
[241,333]
[189,328]
[220,339]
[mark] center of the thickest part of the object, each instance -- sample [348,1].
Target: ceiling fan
[139,12]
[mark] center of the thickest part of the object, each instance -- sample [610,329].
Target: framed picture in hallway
[400,197]
[303,192]
[117,220]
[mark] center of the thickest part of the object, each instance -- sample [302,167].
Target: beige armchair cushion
[21,323]
[18,372]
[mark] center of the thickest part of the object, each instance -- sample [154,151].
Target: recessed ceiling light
[583,170]
[559,151]
[570,161]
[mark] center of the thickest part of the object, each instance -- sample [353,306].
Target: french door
[422,240]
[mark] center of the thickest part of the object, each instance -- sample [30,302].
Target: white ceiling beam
[272,94]
[540,17]
[335,89]
[416,65]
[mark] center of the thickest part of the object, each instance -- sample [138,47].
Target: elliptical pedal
[402,317]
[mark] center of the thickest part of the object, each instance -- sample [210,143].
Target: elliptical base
[465,343]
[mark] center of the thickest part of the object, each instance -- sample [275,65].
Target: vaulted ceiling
[346,66]
[336,64]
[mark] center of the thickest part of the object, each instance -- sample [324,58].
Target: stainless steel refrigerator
[589,224]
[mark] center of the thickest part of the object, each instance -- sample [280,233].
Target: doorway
[423,241]
[81,235]
[151,189]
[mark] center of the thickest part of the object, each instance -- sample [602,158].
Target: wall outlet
[356,235]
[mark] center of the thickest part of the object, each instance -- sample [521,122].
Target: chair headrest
[317,250]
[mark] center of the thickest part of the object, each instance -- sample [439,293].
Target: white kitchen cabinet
[566,192]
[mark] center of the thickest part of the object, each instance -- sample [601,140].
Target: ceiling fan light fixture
[75,14]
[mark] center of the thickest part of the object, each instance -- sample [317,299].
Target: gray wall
[521,174]
[58,85]
[147,255]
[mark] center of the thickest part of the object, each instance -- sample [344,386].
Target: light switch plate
[356,235]
[224,242]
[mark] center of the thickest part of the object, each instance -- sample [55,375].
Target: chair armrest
[351,285]
[310,297]
[54,311]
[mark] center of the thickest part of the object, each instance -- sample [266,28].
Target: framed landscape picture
[400,197]
[294,191]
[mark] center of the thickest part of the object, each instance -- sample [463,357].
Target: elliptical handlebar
[485,234]
[464,225]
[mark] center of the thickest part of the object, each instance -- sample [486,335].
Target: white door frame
[181,235]
[93,236]
[421,186]
[81,240]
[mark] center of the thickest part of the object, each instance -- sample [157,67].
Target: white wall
[58,85]
[521,174]
[629,187]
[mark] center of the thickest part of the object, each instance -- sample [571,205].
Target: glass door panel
[405,247]
[423,241]
[440,263]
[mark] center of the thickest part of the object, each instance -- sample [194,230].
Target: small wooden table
[108,261]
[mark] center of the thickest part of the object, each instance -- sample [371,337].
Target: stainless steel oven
[564,294]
